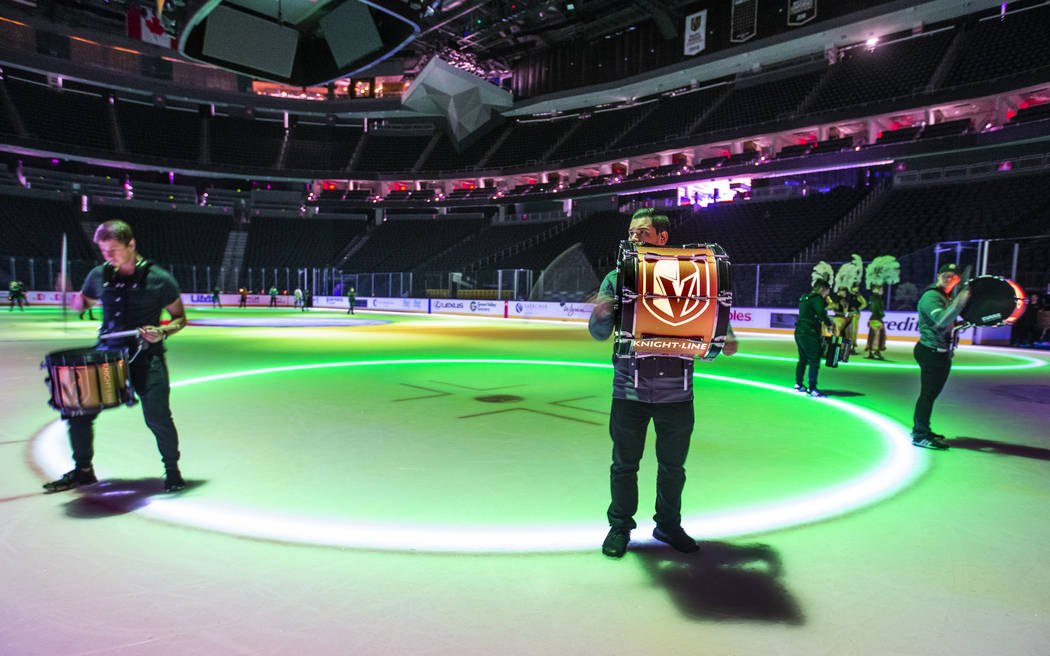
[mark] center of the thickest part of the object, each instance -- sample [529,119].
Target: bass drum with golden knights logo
[672,300]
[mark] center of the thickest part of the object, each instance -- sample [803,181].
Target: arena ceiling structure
[310,42]
[485,37]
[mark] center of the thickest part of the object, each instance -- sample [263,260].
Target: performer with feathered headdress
[882,271]
[812,312]
[847,278]
[855,303]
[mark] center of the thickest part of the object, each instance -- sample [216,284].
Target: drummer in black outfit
[133,292]
[938,311]
[657,389]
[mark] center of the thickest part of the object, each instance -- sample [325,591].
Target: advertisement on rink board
[397,304]
[46,298]
[545,310]
[468,306]
[233,300]
[782,320]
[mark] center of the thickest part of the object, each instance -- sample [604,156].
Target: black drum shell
[993,301]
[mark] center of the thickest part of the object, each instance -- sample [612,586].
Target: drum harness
[114,294]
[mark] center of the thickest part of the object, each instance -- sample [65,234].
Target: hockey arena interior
[427,305]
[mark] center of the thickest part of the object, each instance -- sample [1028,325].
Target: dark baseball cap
[951,267]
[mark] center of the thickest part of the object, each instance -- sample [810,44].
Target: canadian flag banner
[144,24]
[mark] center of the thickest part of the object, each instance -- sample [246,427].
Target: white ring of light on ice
[899,465]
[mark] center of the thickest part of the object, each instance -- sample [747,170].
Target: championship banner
[744,19]
[695,32]
[801,12]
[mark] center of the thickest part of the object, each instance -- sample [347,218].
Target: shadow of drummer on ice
[119,496]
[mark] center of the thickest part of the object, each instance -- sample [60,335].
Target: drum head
[993,301]
[82,356]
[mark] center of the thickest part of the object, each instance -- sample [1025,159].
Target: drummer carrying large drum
[133,292]
[937,314]
[651,388]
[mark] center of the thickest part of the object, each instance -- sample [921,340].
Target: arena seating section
[33,227]
[68,117]
[401,245]
[997,47]
[597,132]
[174,237]
[762,102]
[173,134]
[909,66]
[675,118]
[277,242]
[909,218]
[528,142]
[865,76]
[599,235]
[245,141]
[491,239]
[771,231]
[314,147]
[391,153]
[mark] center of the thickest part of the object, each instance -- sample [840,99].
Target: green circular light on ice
[900,464]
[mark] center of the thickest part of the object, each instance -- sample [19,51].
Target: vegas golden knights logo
[696,23]
[676,286]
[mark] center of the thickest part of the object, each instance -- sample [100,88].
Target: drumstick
[120,335]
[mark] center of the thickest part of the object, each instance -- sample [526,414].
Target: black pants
[808,355]
[628,421]
[149,376]
[934,367]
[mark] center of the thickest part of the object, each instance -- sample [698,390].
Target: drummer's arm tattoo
[600,324]
[154,334]
[178,318]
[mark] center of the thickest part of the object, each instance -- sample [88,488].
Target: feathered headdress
[883,270]
[848,276]
[822,271]
[859,263]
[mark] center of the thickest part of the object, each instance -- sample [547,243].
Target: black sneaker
[677,538]
[801,388]
[72,479]
[173,481]
[929,441]
[815,393]
[615,544]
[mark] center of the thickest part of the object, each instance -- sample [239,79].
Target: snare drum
[994,301]
[672,300]
[87,381]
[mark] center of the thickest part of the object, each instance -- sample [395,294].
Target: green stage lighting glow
[899,464]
